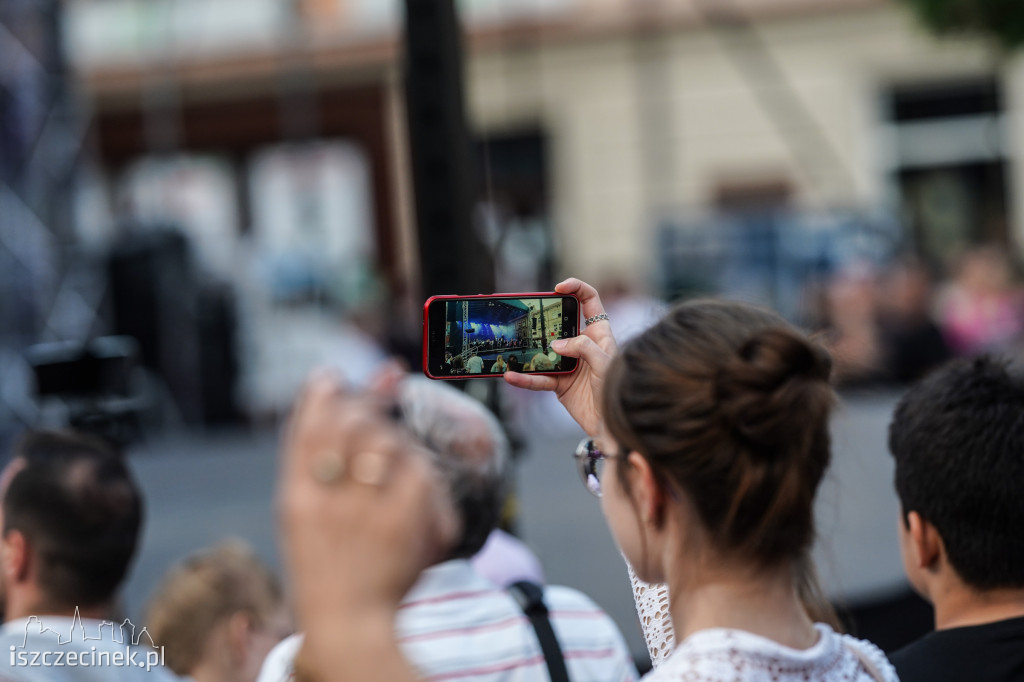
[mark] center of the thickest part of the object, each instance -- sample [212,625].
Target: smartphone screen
[484,336]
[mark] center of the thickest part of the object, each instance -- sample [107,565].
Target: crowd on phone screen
[713,426]
[500,343]
[538,361]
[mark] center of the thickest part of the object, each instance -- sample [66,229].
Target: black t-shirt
[993,652]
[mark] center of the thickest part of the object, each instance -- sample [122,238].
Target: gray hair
[470,450]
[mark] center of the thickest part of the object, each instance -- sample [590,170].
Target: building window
[949,165]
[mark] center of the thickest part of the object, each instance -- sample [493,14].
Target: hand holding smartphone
[469,337]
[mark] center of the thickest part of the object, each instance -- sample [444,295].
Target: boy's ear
[650,497]
[925,541]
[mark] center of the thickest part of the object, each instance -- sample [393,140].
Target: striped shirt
[455,625]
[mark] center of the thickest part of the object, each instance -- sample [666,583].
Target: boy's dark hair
[78,507]
[958,441]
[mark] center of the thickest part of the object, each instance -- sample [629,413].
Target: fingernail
[558,343]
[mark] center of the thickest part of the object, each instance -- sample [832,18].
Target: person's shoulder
[589,637]
[870,656]
[561,598]
[577,615]
[914,659]
[23,630]
[722,654]
[277,666]
[10,636]
[958,653]
[159,674]
[689,662]
[920,646]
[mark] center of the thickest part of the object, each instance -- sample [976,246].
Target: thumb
[582,347]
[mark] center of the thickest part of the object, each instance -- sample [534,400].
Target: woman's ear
[647,490]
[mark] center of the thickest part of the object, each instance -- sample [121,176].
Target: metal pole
[453,260]
[47,290]
[543,329]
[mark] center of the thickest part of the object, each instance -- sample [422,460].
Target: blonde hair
[203,591]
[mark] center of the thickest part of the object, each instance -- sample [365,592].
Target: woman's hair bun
[775,374]
[732,405]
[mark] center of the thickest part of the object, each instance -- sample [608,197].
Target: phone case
[449,297]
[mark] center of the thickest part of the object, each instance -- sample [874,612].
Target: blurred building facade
[615,139]
[643,110]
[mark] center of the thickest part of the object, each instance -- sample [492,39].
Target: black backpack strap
[531,600]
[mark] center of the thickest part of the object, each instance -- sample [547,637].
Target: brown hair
[730,404]
[201,593]
[812,595]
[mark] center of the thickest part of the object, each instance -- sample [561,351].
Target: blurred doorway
[949,165]
[514,208]
[950,208]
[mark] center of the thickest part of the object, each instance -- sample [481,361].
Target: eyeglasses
[590,463]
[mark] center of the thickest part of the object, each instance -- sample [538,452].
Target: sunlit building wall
[646,111]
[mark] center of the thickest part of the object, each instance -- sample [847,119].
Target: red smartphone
[469,337]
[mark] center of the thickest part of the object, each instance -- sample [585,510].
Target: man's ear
[647,491]
[16,557]
[925,542]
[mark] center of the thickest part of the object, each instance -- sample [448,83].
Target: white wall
[593,99]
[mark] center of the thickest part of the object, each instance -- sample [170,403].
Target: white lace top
[722,655]
[655,619]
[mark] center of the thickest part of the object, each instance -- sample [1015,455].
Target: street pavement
[202,488]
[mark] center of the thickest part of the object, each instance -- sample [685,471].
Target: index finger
[590,301]
[318,399]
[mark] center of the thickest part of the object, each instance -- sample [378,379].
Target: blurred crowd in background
[241,179]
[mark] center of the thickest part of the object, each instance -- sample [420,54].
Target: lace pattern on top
[655,619]
[716,656]
[722,655]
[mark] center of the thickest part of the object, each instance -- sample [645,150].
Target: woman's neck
[764,603]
